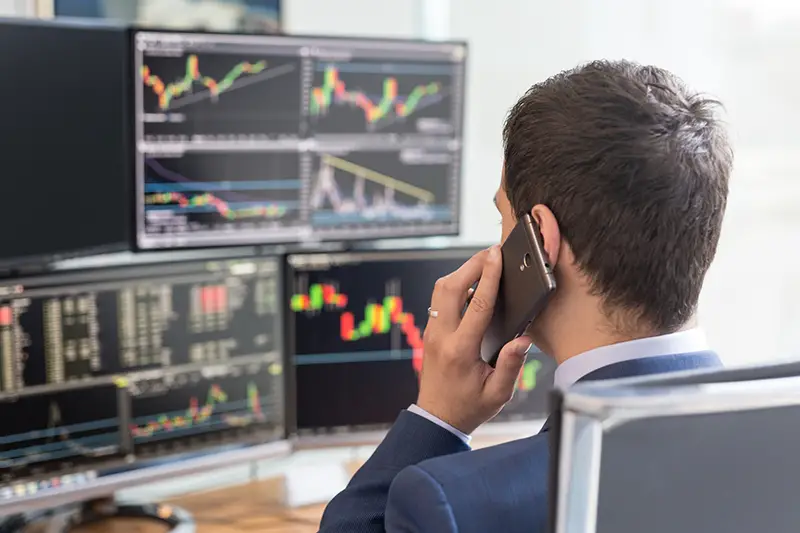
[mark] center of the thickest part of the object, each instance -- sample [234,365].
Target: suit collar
[649,366]
[680,342]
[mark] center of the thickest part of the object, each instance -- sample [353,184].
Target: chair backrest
[694,452]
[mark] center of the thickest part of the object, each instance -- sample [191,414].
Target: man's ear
[548,227]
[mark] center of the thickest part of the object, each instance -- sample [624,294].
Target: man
[626,173]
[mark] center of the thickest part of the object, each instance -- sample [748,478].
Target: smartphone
[525,286]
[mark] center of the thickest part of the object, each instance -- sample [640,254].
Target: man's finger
[450,293]
[481,306]
[501,383]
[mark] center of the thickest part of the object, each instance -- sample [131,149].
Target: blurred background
[740,51]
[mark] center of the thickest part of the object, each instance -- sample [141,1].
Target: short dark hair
[635,168]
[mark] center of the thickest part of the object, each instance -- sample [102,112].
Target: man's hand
[456,385]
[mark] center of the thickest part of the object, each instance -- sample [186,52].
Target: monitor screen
[268,139]
[108,367]
[531,397]
[65,139]
[355,324]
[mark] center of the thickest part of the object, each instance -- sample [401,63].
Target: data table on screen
[86,328]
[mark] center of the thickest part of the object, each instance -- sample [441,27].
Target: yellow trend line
[383,179]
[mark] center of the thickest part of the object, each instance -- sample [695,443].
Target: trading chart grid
[368,312]
[244,139]
[112,366]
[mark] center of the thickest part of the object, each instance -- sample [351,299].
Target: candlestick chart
[196,408]
[378,318]
[167,92]
[213,94]
[357,337]
[216,410]
[364,97]
[208,192]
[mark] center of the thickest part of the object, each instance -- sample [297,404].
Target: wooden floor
[246,508]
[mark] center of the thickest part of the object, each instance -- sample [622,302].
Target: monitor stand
[92,511]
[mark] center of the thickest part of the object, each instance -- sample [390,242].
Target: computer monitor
[106,369]
[65,140]
[354,330]
[244,139]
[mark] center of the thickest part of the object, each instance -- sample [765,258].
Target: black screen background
[64,131]
[32,414]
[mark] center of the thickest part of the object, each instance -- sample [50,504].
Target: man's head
[626,172]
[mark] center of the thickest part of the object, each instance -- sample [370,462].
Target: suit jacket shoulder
[360,507]
[500,488]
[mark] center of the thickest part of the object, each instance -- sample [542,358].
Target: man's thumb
[506,370]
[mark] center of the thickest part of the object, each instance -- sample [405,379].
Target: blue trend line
[177,178]
[96,441]
[54,432]
[352,357]
[52,456]
[203,186]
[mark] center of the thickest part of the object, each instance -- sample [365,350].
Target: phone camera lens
[527,260]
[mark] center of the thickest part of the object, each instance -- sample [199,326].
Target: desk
[253,507]
[239,509]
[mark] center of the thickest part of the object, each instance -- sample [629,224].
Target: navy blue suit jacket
[418,479]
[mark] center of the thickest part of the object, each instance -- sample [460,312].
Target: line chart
[210,191]
[353,191]
[208,202]
[78,426]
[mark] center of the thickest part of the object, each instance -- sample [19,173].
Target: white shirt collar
[574,368]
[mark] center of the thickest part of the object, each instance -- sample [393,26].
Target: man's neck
[575,343]
[583,332]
